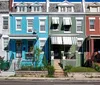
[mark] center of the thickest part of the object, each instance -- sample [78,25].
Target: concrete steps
[58,70]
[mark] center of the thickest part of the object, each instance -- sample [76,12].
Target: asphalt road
[47,82]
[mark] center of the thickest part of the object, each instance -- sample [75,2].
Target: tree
[36,55]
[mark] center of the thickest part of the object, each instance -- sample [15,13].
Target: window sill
[18,29]
[55,30]
[79,32]
[67,32]
[42,31]
[92,30]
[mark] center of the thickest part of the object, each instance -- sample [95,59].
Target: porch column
[92,47]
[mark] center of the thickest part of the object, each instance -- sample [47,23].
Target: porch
[65,49]
[93,48]
[22,46]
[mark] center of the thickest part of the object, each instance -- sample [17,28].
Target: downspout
[47,5]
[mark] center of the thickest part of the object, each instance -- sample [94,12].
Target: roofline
[47,13]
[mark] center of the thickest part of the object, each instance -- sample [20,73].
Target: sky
[55,0]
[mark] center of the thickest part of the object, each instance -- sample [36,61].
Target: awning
[22,37]
[69,40]
[67,21]
[55,20]
[56,40]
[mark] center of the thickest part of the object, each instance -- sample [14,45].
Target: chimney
[47,5]
[10,5]
[83,5]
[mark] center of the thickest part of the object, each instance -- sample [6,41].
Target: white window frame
[91,18]
[4,37]
[40,42]
[42,18]
[18,18]
[79,18]
[30,18]
[80,39]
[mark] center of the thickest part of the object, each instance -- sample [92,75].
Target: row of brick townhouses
[63,30]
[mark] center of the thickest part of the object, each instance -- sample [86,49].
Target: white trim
[22,38]
[44,25]
[91,29]
[5,36]
[42,38]
[29,17]
[67,31]
[16,25]
[66,17]
[91,17]
[80,18]
[18,17]
[5,15]
[42,17]
[80,39]
[28,27]
[44,43]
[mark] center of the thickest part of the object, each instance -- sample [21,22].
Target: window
[42,43]
[18,24]
[21,9]
[67,28]
[94,9]
[29,25]
[62,9]
[5,22]
[92,24]
[79,25]
[36,9]
[79,45]
[42,25]
[5,43]
[69,9]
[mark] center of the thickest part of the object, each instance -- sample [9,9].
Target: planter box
[32,73]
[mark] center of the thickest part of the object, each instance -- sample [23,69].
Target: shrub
[96,67]
[82,69]
[31,68]
[51,70]
[67,68]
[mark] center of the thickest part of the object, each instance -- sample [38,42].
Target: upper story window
[65,7]
[67,24]
[94,7]
[18,23]
[30,24]
[79,22]
[91,24]
[42,24]
[36,7]
[5,22]
[5,43]
[21,7]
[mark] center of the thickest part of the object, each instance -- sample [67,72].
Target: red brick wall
[96,26]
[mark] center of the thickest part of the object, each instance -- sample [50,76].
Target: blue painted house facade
[28,32]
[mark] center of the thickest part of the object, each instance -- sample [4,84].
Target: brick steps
[58,70]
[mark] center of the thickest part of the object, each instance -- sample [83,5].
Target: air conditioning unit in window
[30,30]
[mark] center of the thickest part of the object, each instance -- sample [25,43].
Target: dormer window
[22,7]
[65,7]
[36,7]
[94,7]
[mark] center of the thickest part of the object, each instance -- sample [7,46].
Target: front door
[57,51]
[18,48]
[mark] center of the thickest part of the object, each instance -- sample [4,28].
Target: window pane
[69,9]
[18,24]
[92,24]
[5,22]
[42,25]
[42,43]
[79,25]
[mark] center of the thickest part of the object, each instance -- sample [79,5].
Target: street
[48,82]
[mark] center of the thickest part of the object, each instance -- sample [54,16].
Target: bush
[82,69]
[96,67]
[67,68]
[51,70]
[31,68]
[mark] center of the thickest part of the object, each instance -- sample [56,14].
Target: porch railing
[29,55]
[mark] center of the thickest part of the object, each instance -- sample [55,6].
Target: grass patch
[82,69]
